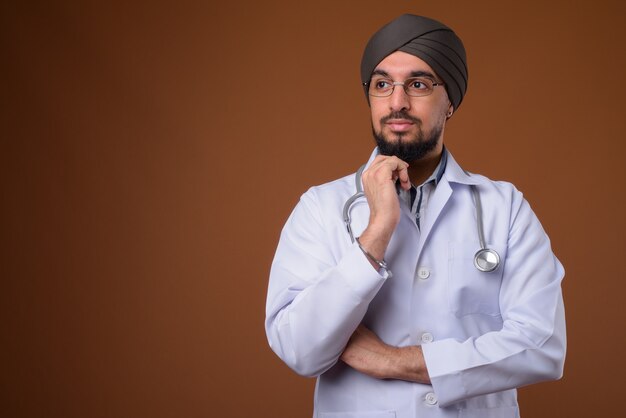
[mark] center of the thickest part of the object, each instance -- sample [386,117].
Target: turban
[431,41]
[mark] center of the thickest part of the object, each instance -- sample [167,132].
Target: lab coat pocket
[363,414]
[471,291]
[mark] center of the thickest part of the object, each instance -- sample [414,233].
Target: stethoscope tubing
[346,207]
[485,259]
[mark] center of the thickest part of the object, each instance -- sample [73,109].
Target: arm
[315,302]
[370,355]
[530,346]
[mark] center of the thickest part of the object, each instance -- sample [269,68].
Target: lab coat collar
[455,174]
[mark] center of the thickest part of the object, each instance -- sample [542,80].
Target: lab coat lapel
[441,195]
[436,203]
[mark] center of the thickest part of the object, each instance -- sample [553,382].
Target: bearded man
[414,288]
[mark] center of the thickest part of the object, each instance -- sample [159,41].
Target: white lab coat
[482,334]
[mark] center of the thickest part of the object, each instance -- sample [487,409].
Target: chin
[407,146]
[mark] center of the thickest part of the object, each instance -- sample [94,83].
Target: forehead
[401,64]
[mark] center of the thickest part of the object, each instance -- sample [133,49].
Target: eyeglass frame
[404,86]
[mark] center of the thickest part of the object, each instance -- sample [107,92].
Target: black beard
[408,150]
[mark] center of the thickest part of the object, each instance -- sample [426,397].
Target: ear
[450,111]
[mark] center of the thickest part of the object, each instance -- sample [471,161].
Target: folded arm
[529,348]
[315,302]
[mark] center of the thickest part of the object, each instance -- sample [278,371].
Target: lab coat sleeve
[316,299]
[530,347]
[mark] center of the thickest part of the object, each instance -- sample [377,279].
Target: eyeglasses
[414,87]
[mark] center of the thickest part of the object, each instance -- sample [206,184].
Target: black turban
[431,41]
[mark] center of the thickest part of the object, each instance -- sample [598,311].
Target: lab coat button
[423,273]
[427,337]
[430,398]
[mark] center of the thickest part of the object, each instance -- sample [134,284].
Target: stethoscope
[485,259]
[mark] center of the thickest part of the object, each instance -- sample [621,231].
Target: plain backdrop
[151,152]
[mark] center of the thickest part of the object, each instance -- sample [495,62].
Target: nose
[399,100]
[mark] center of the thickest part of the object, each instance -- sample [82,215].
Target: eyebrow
[380,72]
[423,74]
[416,73]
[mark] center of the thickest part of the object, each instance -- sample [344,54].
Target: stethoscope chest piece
[486,260]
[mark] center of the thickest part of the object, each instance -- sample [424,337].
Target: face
[405,126]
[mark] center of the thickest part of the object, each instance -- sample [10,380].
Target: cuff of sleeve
[358,273]
[447,384]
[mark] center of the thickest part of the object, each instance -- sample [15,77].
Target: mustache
[400,115]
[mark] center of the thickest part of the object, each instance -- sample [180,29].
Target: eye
[417,84]
[382,84]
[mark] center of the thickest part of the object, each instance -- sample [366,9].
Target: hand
[379,182]
[368,354]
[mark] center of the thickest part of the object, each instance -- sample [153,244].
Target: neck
[420,170]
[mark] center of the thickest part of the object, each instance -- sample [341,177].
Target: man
[386,298]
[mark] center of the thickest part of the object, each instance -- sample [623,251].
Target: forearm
[375,240]
[407,363]
[367,353]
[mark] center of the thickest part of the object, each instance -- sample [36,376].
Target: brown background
[151,153]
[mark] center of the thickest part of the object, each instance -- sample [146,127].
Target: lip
[399,125]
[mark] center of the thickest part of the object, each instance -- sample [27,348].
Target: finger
[386,171]
[403,176]
[399,171]
[394,163]
[391,162]
[391,167]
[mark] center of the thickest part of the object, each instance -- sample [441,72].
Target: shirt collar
[441,168]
